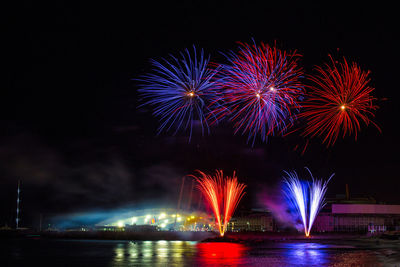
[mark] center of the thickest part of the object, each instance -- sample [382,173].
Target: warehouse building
[360,218]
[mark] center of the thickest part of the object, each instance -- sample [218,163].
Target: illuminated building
[362,214]
[254,220]
[155,219]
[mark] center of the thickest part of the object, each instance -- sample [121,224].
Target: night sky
[72,131]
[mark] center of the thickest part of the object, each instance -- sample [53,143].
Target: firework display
[222,194]
[338,101]
[307,198]
[262,86]
[182,91]
[259,90]
[296,192]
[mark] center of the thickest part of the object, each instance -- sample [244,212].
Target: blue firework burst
[183,91]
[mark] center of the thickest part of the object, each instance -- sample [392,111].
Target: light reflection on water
[154,253]
[183,253]
[306,253]
[221,253]
[45,252]
[311,254]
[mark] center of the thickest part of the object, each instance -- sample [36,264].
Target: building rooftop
[365,209]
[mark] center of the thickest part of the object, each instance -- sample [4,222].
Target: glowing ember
[223,195]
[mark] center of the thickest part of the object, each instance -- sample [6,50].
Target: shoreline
[240,237]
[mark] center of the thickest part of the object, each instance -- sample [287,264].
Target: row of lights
[160,217]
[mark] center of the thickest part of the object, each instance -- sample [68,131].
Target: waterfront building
[360,214]
[253,220]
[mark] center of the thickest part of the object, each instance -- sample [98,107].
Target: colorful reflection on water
[182,253]
[230,254]
[154,253]
[311,254]
[307,253]
[44,252]
[167,253]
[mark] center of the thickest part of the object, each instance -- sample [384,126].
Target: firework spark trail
[262,86]
[318,190]
[297,194]
[211,187]
[182,91]
[222,194]
[338,100]
[308,198]
[233,194]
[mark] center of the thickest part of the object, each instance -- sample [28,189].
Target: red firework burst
[339,99]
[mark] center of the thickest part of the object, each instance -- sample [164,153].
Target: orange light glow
[222,194]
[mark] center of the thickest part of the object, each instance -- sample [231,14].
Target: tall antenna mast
[18,191]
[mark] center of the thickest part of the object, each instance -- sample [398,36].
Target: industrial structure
[360,218]
[357,214]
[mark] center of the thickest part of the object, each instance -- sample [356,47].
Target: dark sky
[72,132]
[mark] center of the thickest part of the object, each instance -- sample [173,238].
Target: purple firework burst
[262,89]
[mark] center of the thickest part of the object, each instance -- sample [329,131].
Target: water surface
[51,252]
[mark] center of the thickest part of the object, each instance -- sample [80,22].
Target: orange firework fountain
[223,194]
